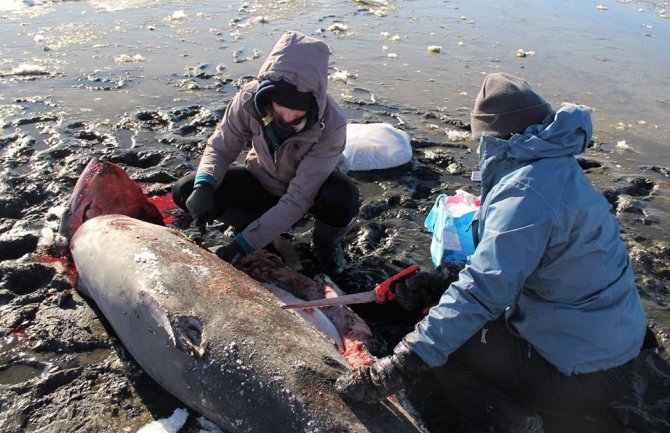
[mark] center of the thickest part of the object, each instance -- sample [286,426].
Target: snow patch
[167,425]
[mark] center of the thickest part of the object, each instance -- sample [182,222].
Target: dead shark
[210,334]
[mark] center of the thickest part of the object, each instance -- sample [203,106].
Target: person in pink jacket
[295,165]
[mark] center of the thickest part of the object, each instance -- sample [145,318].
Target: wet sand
[143,84]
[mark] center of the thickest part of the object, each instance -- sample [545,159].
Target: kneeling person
[295,166]
[544,320]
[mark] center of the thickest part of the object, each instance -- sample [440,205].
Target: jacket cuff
[205,178]
[242,242]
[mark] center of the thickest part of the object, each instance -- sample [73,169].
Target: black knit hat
[506,105]
[288,96]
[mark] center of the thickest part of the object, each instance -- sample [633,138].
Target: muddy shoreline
[58,357]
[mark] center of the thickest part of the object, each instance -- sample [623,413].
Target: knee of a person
[348,191]
[177,195]
[181,190]
[349,205]
[341,191]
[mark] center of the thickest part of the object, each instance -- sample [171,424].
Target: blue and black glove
[231,252]
[201,204]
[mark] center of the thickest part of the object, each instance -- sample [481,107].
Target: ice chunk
[167,425]
[25,69]
[127,58]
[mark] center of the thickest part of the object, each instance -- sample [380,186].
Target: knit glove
[201,204]
[384,377]
[421,290]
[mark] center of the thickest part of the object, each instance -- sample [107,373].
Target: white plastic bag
[375,146]
[450,222]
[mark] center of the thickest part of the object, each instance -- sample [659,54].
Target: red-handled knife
[382,293]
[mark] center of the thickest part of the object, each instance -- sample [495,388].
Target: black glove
[201,204]
[383,378]
[420,290]
[231,252]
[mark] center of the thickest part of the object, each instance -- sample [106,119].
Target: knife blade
[380,294]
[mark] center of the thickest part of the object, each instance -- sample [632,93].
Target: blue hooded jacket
[550,257]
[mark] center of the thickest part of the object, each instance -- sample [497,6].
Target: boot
[327,245]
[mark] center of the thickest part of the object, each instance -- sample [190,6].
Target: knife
[382,293]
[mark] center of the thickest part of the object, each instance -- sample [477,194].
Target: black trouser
[336,204]
[496,370]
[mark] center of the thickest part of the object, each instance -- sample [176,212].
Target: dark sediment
[61,368]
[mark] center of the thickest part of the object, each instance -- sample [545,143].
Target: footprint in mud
[374,209]
[14,246]
[437,157]
[638,187]
[21,370]
[665,171]
[138,159]
[201,122]
[635,187]
[654,258]
[151,120]
[371,237]
[587,164]
[19,279]
[627,204]
[88,135]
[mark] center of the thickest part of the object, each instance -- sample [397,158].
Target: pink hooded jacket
[304,161]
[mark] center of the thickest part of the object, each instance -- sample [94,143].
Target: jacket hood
[302,61]
[564,133]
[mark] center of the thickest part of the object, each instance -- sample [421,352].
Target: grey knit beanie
[506,105]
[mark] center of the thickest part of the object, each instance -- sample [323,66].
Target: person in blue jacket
[545,319]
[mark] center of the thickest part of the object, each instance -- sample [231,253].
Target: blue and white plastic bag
[450,222]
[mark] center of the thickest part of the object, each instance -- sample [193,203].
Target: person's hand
[384,377]
[420,290]
[201,204]
[231,252]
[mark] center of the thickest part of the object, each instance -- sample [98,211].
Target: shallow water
[608,56]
